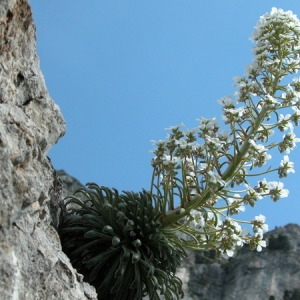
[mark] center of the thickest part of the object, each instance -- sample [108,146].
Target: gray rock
[69,183]
[250,274]
[32,265]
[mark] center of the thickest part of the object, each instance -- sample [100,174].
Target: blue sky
[122,71]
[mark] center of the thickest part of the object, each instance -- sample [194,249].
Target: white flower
[260,221]
[203,166]
[259,226]
[288,143]
[252,67]
[215,141]
[208,124]
[214,218]
[253,194]
[170,160]
[292,139]
[258,147]
[227,102]
[284,122]
[261,154]
[260,218]
[224,136]
[233,114]
[229,252]
[198,220]
[236,201]
[236,225]
[296,115]
[276,190]
[260,244]
[287,165]
[171,128]
[159,143]
[270,100]
[215,178]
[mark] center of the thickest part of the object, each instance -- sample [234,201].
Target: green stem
[237,162]
[238,159]
[177,214]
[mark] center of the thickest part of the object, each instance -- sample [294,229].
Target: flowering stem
[238,159]
[205,177]
[175,215]
[178,213]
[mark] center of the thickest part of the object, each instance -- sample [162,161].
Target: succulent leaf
[117,242]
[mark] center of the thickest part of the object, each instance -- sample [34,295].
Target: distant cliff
[251,275]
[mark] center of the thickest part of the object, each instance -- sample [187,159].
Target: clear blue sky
[124,70]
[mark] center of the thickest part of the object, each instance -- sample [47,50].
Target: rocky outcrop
[69,184]
[252,275]
[32,265]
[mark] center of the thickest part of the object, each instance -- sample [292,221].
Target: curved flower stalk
[212,180]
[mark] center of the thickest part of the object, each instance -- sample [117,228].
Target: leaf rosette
[117,242]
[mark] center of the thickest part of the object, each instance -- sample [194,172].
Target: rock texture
[69,184]
[252,275]
[32,265]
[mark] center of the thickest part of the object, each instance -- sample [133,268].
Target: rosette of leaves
[117,242]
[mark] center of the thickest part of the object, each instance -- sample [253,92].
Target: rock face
[32,265]
[253,275]
[69,184]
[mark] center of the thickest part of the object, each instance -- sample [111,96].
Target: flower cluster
[203,176]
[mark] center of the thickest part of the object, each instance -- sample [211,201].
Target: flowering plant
[129,245]
[211,180]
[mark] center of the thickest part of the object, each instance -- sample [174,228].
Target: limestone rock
[32,265]
[252,275]
[69,183]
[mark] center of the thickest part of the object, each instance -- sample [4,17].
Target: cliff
[252,275]
[32,265]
